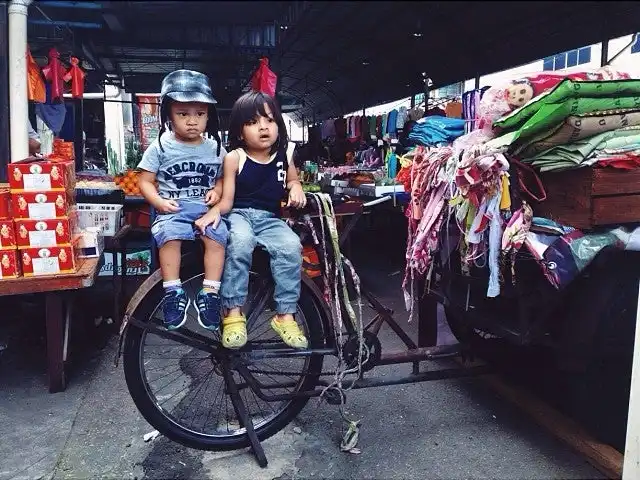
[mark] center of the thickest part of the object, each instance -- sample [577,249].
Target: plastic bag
[35,82]
[54,72]
[264,80]
[75,75]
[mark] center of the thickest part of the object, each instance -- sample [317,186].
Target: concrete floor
[455,429]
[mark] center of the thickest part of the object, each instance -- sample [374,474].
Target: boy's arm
[214,195]
[146,183]
[230,171]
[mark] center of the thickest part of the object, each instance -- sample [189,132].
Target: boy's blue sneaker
[208,304]
[175,308]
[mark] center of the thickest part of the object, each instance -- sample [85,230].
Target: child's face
[261,132]
[189,120]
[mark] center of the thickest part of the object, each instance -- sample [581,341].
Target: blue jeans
[181,226]
[249,227]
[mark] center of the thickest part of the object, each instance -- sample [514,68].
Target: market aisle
[448,429]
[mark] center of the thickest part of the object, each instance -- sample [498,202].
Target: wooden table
[58,313]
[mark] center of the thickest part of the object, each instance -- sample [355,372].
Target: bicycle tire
[152,414]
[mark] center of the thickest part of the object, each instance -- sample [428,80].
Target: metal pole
[5,150]
[18,95]
[604,54]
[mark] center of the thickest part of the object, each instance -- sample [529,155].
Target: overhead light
[365,63]
[329,81]
[284,27]
[417,34]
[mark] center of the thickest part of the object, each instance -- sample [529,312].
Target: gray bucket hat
[187,86]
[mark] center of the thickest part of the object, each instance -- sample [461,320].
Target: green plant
[133,152]
[113,162]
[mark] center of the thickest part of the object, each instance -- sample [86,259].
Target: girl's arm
[297,197]
[230,172]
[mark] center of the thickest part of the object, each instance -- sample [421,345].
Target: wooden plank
[615,182]
[604,457]
[615,210]
[568,198]
[82,278]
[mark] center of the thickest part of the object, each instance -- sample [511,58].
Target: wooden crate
[591,197]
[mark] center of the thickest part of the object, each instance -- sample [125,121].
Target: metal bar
[243,416]
[384,312]
[418,354]
[445,374]
[85,5]
[177,336]
[65,23]
[432,375]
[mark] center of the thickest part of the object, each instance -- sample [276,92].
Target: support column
[5,151]
[604,54]
[18,96]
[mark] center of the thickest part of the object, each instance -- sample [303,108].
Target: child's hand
[212,197]
[297,198]
[212,217]
[168,206]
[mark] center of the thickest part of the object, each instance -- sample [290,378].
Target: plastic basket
[106,216]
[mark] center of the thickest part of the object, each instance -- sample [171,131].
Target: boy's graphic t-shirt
[184,172]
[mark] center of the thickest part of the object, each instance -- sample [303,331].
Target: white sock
[172,284]
[211,285]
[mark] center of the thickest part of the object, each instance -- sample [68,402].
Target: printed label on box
[138,263]
[42,211]
[43,239]
[46,266]
[36,181]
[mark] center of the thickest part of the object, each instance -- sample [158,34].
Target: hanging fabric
[54,72]
[35,83]
[75,75]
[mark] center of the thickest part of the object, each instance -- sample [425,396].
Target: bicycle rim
[181,390]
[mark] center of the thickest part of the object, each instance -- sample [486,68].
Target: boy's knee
[241,242]
[290,247]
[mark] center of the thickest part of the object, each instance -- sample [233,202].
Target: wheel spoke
[182,369]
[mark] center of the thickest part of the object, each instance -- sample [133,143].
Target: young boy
[188,168]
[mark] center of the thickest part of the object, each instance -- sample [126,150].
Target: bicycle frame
[237,360]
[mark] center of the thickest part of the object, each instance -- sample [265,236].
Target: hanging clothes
[402,118]
[392,121]
[453,110]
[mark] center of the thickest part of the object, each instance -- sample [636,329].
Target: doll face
[519,93]
[5,261]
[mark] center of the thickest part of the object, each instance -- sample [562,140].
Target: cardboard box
[41,205]
[7,234]
[47,261]
[9,263]
[41,176]
[44,233]
[5,201]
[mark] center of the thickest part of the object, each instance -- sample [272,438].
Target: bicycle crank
[371,351]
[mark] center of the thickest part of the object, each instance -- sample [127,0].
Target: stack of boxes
[45,216]
[9,260]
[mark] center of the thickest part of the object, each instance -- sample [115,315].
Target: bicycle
[257,390]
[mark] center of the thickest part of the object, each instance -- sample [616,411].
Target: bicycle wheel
[180,390]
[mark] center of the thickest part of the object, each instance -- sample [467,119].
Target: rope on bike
[336,294]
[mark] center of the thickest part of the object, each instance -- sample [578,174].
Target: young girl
[257,174]
[187,166]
